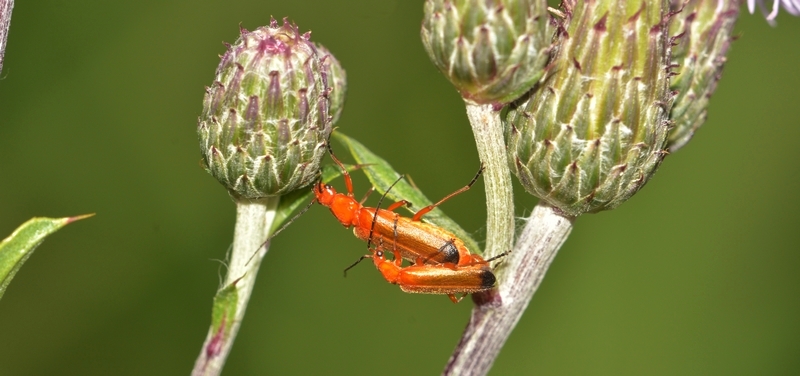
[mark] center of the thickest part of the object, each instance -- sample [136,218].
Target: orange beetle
[414,240]
[435,279]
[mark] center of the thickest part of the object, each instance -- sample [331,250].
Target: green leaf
[223,312]
[15,249]
[381,174]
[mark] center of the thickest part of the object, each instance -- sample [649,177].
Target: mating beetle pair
[442,264]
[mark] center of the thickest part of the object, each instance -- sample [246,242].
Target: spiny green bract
[702,30]
[335,78]
[493,51]
[594,129]
[268,114]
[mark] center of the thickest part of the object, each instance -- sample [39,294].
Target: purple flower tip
[791,6]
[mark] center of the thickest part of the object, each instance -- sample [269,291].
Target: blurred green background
[698,274]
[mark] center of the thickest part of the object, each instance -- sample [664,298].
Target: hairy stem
[496,313]
[488,131]
[253,220]
[6,6]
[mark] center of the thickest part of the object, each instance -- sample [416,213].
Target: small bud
[593,131]
[493,51]
[702,30]
[267,115]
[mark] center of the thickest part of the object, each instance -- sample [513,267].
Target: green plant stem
[496,314]
[488,131]
[254,219]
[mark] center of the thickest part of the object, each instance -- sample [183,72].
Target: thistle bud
[594,129]
[267,115]
[492,51]
[703,34]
